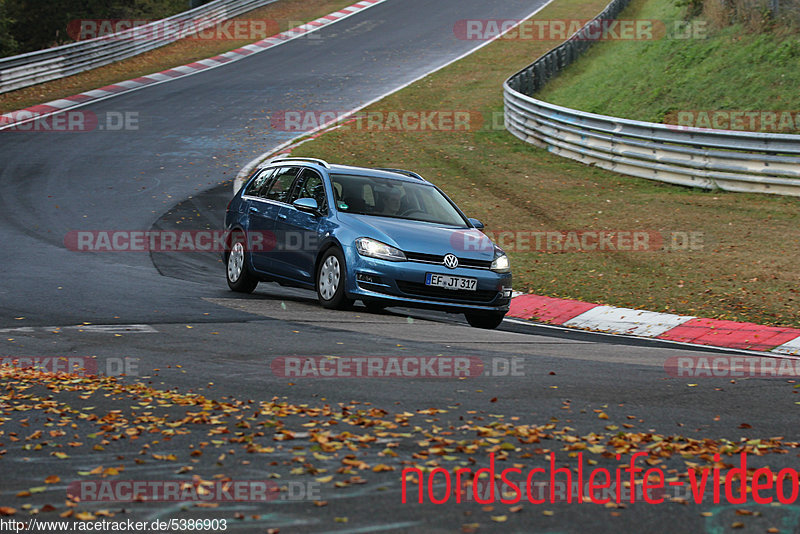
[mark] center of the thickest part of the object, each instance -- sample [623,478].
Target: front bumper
[403,284]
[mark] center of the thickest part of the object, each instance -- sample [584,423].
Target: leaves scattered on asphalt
[338,446]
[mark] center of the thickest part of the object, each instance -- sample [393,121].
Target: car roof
[393,174]
[333,168]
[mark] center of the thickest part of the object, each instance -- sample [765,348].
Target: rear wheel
[331,280]
[484,320]
[239,277]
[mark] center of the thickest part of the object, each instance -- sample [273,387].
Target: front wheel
[331,281]
[484,320]
[238,273]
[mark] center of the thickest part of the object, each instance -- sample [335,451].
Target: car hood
[421,237]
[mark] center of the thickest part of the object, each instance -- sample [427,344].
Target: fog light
[368,278]
[507,292]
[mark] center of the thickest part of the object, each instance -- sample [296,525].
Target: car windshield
[385,197]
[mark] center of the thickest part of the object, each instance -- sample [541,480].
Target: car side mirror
[307,205]
[476,223]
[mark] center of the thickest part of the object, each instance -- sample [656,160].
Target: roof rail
[401,171]
[298,158]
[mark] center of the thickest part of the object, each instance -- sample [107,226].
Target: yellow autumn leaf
[382,467]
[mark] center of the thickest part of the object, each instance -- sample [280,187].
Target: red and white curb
[23,116]
[655,325]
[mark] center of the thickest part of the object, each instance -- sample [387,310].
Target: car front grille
[439,260]
[439,293]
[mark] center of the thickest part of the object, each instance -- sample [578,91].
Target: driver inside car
[393,201]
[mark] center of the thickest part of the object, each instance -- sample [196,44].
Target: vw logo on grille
[450,261]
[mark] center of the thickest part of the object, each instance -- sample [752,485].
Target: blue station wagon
[386,237]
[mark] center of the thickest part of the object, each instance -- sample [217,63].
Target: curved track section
[191,133]
[173,172]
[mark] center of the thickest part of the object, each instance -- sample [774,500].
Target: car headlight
[501,264]
[376,249]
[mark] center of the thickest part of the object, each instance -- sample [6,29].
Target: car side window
[255,186]
[281,186]
[311,186]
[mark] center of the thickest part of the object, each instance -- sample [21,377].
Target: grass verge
[745,266]
[698,68]
[285,13]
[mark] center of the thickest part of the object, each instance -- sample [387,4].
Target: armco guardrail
[699,157]
[53,63]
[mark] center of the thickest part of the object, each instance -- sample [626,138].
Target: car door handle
[281,215]
[253,209]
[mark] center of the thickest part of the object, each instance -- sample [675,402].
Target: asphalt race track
[174,316]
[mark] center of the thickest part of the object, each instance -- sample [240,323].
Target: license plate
[451,282]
